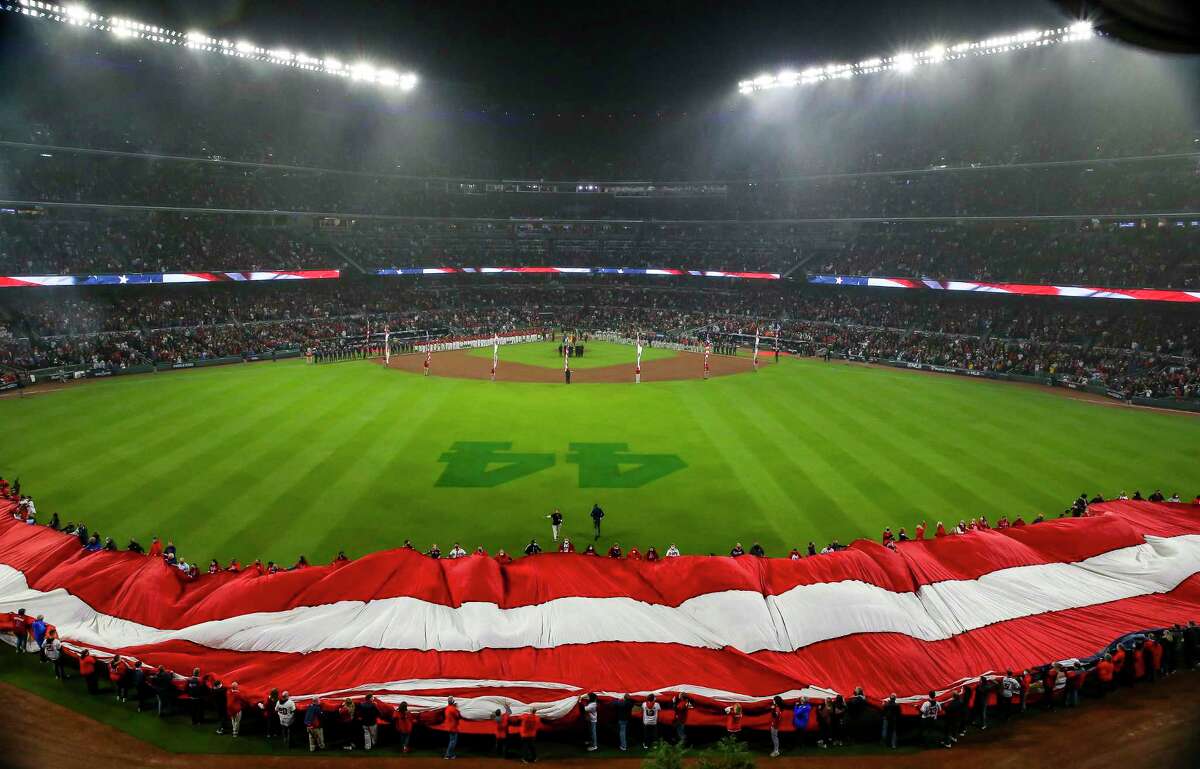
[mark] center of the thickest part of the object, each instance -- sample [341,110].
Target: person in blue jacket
[800,714]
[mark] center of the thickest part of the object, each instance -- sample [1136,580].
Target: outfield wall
[64,373]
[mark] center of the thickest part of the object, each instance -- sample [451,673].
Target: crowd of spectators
[1147,349]
[39,245]
[1130,187]
[1154,253]
[831,722]
[1133,254]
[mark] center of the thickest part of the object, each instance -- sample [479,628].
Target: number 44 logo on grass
[485,464]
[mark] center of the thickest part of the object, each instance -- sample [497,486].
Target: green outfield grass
[276,459]
[596,355]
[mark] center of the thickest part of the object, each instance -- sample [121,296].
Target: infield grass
[273,460]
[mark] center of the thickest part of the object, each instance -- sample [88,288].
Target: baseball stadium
[484,386]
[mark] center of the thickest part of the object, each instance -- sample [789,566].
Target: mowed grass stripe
[250,464]
[218,446]
[860,472]
[958,443]
[105,450]
[296,496]
[767,466]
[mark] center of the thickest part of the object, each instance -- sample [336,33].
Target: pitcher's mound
[683,365]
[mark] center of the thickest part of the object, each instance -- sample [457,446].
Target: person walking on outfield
[556,519]
[501,719]
[529,730]
[591,709]
[428,358]
[54,653]
[453,717]
[367,715]
[403,721]
[597,514]
[312,724]
[776,717]
[682,706]
[650,711]
[20,630]
[87,670]
[285,709]
[624,714]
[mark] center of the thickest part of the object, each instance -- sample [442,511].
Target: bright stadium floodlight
[906,62]
[78,15]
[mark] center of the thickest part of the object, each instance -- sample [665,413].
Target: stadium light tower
[906,62]
[81,16]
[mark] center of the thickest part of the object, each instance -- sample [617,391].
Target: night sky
[610,54]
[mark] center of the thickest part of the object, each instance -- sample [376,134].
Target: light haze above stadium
[83,16]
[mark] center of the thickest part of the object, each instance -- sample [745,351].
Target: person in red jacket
[940,531]
[1104,675]
[501,719]
[1135,664]
[776,716]
[452,718]
[118,673]
[1154,668]
[503,558]
[156,548]
[529,729]
[682,705]
[733,719]
[20,629]
[634,554]
[403,721]
[919,532]
[1075,678]
[1118,660]
[233,709]
[1050,686]
[87,670]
